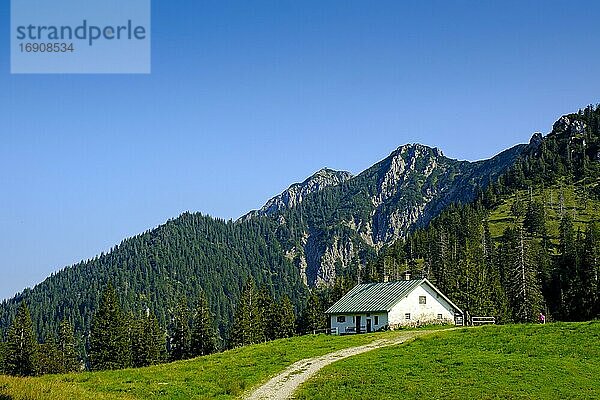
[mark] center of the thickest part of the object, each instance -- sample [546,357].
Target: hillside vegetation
[224,375]
[556,360]
[558,199]
[528,244]
[552,361]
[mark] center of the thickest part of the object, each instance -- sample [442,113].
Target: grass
[552,361]
[575,202]
[222,376]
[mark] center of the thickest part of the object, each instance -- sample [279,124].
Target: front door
[358,324]
[369,325]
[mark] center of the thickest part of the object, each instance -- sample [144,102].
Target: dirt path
[282,386]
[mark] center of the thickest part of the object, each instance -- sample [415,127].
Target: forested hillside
[530,243]
[153,270]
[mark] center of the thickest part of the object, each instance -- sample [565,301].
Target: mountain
[529,243]
[331,225]
[293,195]
[343,226]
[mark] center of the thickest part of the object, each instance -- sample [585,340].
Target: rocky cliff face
[294,195]
[343,226]
[568,125]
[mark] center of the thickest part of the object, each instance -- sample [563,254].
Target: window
[407,315]
[440,316]
[341,318]
[376,319]
[422,300]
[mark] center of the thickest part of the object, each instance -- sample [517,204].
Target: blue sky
[247,97]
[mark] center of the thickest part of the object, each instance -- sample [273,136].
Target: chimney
[407,276]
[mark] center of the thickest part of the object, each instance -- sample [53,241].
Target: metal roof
[371,297]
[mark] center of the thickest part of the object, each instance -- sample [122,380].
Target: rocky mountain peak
[292,196]
[416,149]
[536,141]
[569,125]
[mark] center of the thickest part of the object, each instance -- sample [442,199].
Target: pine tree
[147,341]
[67,347]
[535,218]
[50,357]
[520,277]
[2,356]
[180,335]
[591,273]
[109,339]
[22,352]
[286,326]
[267,315]
[313,317]
[204,337]
[567,270]
[246,328]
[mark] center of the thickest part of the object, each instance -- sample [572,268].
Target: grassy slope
[223,376]
[553,361]
[574,202]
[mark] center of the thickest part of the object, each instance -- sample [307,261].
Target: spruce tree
[22,349]
[313,317]
[67,347]
[286,326]
[535,218]
[147,341]
[2,356]
[590,273]
[179,332]
[267,320]
[50,357]
[520,276]
[517,208]
[109,339]
[204,337]
[567,271]
[246,328]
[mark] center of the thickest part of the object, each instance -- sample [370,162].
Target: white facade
[378,320]
[423,305]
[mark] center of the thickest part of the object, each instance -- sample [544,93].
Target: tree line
[188,255]
[118,339]
[22,355]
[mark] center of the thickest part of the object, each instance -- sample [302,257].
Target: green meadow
[552,361]
[218,376]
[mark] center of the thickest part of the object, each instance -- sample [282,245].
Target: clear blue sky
[247,97]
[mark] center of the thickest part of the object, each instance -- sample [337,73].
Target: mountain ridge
[333,228]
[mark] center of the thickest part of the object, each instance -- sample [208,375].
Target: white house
[371,306]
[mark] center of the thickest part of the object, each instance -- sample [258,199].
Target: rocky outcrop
[568,125]
[406,189]
[297,192]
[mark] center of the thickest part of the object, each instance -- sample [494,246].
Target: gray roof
[372,297]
